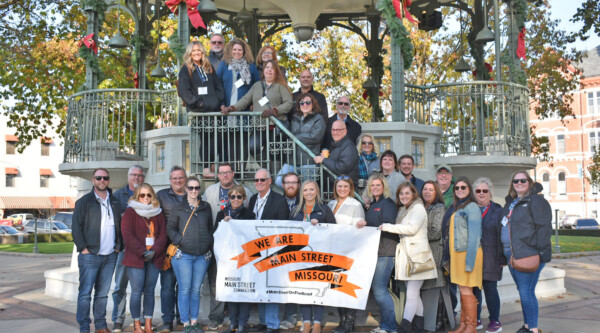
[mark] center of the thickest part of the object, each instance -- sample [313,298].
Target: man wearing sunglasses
[217,195]
[343,113]
[135,178]
[217,44]
[306,86]
[268,205]
[97,236]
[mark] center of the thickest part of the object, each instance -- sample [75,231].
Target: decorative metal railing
[476,118]
[106,124]
[249,142]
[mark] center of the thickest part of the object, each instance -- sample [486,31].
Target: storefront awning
[37,203]
[46,172]
[11,171]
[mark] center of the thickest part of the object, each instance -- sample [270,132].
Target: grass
[577,243]
[48,248]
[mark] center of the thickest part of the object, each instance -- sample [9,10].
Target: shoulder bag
[527,264]
[172,248]
[415,266]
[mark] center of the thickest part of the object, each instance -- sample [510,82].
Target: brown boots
[137,327]
[468,315]
[148,326]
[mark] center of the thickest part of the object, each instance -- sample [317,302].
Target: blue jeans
[453,288]
[238,313]
[379,287]
[314,312]
[190,271]
[526,283]
[167,295]
[291,309]
[269,314]
[119,295]
[95,272]
[492,299]
[143,281]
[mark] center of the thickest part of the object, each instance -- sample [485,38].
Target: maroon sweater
[135,229]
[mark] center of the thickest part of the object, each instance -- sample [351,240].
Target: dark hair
[471,197]
[439,197]
[412,188]
[406,156]
[192,178]
[239,189]
[279,78]
[386,154]
[511,189]
[98,169]
[316,108]
[177,168]
[224,164]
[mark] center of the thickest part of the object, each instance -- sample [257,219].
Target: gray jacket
[309,131]
[343,159]
[435,215]
[169,201]
[198,238]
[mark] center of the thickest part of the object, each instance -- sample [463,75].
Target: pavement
[25,309]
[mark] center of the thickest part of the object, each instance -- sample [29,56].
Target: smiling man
[217,44]
[343,155]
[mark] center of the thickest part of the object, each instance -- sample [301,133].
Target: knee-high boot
[463,317]
[470,308]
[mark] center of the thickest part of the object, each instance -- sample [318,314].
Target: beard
[291,193]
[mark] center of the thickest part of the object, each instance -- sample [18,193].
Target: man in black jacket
[343,109]
[97,236]
[343,155]
[268,205]
[170,198]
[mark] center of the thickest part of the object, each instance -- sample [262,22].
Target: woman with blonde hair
[144,232]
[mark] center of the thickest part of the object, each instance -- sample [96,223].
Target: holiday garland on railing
[398,32]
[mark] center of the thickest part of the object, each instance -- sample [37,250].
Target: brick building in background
[572,145]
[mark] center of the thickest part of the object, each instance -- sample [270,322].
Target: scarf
[234,213]
[363,164]
[241,66]
[143,210]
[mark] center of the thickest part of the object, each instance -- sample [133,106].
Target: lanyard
[201,74]
[486,210]
[512,206]
[258,207]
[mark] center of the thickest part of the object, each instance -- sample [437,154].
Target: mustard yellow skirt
[458,274]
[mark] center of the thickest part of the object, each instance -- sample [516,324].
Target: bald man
[343,155]
[306,86]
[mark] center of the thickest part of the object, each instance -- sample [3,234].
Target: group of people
[435,235]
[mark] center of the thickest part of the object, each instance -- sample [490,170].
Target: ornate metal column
[397,83]
[91,76]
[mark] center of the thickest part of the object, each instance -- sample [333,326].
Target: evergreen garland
[398,32]
[139,43]
[85,53]
[176,46]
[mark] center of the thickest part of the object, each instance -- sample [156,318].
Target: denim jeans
[492,299]
[453,288]
[95,272]
[238,313]
[119,295]
[167,295]
[216,308]
[312,312]
[143,281]
[190,271]
[291,310]
[379,287]
[268,313]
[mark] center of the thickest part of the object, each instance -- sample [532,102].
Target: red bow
[192,9]
[89,42]
[521,44]
[136,80]
[399,11]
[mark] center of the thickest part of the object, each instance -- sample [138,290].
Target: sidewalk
[25,309]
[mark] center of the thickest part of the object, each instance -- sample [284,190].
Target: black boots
[418,324]
[342,314]
[347,317]
[405,326]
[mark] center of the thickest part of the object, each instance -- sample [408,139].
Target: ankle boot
[137,327]
[316,328]
[148,326]
[306,327]
[463,317]
[470,308]
[349,321]
[405,326]
[342,314]
[418,324]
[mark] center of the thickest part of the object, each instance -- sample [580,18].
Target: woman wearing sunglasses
[526,231]
[265,54]
[144,232]
[311,209]
[190,229]
[491,215]
[238,312]
[309,127]
[368,162]
[462,232]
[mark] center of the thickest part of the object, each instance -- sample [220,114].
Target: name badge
[239,83]
[504,221]
[202,90]
[263,101]
[149,241]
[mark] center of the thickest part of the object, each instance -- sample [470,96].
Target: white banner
[295,262]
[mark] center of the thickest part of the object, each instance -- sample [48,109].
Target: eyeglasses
[239,197]
[260,180]
[217,42]
[523,181]
[99,178]
[302,103]
[337,129]
[137,175]
[343,103]
[464,187]
[291,183]
[193,188]
[268,53]
[223,173]
[143,195]
[367,142]
[481,191]
[177,178]
[343,177]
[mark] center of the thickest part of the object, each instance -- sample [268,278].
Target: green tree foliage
[589,14]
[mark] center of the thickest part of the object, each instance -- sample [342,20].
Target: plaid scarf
[363,161]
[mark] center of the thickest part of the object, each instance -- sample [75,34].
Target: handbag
[172,248]
[528,264]
[424,262]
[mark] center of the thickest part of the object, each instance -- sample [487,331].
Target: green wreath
[398,32]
